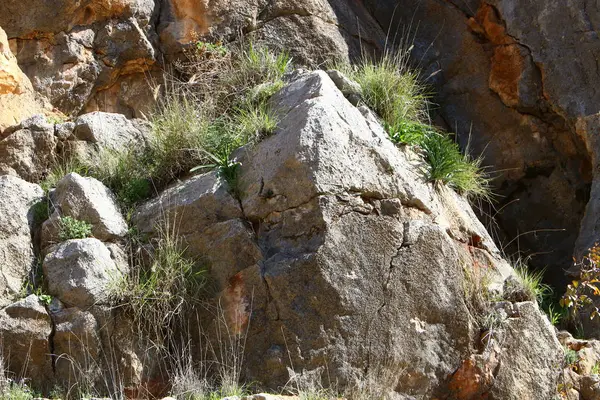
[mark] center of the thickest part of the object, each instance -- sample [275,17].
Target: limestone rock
[80,272]
[530,358]
[16,247]
[77,346]
[108,131]
[333,219]
[25,329]
[85,199]
[28,149]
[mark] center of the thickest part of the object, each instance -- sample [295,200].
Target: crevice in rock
[51,346]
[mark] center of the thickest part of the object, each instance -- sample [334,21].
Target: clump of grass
[125,172]
[528,285]
[391,88]
[71,228]
[62,167]
[255,122]
[447,165]
[158,291]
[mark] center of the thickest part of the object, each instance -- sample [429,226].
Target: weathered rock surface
[81,272]
[530,355]
[109,131]
[16,247]
[25,329]
[17,99]
[85,199]
[27,150]
[97,56]
[494,67]
[333,219]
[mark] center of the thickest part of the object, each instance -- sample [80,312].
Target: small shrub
[40,211]
[571,358]
[71,228]
[582,293]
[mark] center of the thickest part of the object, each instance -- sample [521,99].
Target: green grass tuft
[391,88]
[532,283]
[446,164]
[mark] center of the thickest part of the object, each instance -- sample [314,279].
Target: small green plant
[44,298]
[40,211]
[71,228]
[226,168]
[555,316]
[16,391]
[571,358]
[210,49]
[596,368]
[408,132]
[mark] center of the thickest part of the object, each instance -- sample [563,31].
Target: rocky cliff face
[330,257]
[519,76]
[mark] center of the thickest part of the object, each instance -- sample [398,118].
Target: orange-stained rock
[472,380]
[17,99]
[12,79]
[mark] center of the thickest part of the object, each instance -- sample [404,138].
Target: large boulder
[16,248]
[109,131]
[88,200]
[27,150]
[25,333]
[337,255]
[83,272]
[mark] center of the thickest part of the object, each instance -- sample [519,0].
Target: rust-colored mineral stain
[505,74]
[236,305]
[193,17]
[469,382]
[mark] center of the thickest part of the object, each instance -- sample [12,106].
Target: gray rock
[25,329]
[30,307]
[28,152]
[85,199]
[590,387]
[531,356]
[108,131]
[82,272]
[16,247]
[77,346]
[334,219]
[349,88]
